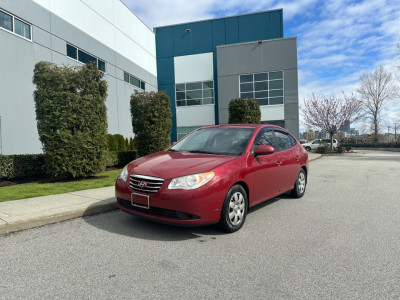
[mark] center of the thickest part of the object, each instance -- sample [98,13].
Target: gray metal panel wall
[255,57]
[19,56]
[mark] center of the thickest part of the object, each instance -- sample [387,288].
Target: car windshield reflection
[219,141]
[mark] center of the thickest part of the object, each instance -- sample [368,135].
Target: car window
[292,140]
[216,140]
[267,138]
[316,142]
[282,141]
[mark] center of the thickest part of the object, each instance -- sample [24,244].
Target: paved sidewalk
[33,212]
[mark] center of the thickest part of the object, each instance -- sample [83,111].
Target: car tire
[308,148]
[234,209]
[300,185]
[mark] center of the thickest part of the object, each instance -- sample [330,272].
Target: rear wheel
[308,148]
[300,185]
[234,209]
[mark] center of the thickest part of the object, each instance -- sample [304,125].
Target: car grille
[147,184]
[157,211]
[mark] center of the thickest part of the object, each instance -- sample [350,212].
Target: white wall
[196,115]
[272,112]
[191,68]
[111,23]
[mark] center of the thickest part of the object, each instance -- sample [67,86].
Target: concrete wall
[80,25]
[255,57]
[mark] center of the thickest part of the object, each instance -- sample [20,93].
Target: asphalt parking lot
[340,241]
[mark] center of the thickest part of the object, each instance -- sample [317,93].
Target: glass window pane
[208,93]
[181,103]
[71,51]
[246,78]
[276,84]
[143,85]
[194,86]
[22,29]
[261,95]
[208,101]
[278,100]
[6,21]
[263,101]
[208,85]
[276,93]
[134,81]
[101,65]
[126,77]
[247,95]
[275,75]
[193,94]
[246,87]
[180,95]
[261,77]
[180,87]
[85,58]
[194,102]
[261,86]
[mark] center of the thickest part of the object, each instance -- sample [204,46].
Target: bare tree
[330,114]
[376,89]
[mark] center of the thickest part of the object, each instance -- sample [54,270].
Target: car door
[265,170]
[288,159]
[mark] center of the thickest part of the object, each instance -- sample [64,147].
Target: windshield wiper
[200,151]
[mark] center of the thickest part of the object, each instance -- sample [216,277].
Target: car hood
[169,165]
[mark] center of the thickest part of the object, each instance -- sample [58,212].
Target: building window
[84,57]
[15,25]
[266,88]
[194,93]
[134,81]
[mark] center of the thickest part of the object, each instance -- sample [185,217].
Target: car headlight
[190,182]
[124,173]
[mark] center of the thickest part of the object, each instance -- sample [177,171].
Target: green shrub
[244,111]
[112,144]
[71,118]
[340,149]
[322,148]
[110,158]
[151,121]
[119,158]
[22,166]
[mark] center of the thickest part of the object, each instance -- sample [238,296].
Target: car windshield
[216,140]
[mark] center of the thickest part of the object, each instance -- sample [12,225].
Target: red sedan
[213,175]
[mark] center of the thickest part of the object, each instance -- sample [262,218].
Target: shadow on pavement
[121,223]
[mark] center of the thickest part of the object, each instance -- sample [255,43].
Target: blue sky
[338,40]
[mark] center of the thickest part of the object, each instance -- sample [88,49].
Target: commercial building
[70,33]
[202,65]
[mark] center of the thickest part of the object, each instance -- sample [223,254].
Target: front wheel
[308,148]
[300,185]
[234,209]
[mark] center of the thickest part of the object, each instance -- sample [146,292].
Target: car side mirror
[264,150]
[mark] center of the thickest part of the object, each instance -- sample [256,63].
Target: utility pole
[388,135]
[395,132]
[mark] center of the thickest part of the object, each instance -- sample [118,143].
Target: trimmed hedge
[397,145]
[33,165]
[22,166]
[151,121]
[244,111]
[120,158]
[71,118]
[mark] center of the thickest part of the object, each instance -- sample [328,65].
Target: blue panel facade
[205,36]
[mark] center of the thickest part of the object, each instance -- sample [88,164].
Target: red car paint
[263,177]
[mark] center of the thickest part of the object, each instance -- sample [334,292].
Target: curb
[96,208]
[315,156]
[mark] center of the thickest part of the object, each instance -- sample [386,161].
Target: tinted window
[283,141]
[223,141]
[22,29]
[101,65]
[85,58]
[267,138]
[71,52]
[6,21]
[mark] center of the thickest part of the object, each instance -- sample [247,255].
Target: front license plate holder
[139,200]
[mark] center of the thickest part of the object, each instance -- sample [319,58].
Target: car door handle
[297,157]
[279,163]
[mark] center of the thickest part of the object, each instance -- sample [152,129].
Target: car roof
[241,126]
